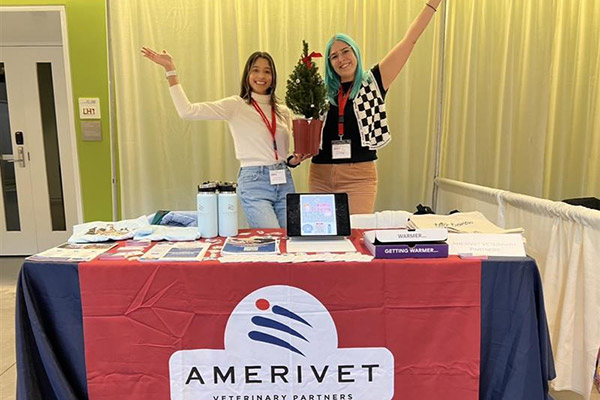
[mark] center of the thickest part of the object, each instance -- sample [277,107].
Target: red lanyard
[272,127]
[342,99]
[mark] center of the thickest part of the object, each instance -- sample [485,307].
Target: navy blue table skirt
[516,355]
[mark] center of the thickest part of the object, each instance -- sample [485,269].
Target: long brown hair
[246,89]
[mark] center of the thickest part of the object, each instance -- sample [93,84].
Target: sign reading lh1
[89,108]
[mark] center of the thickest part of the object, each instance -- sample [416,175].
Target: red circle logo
[262,304]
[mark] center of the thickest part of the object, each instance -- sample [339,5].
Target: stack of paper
[306,245]
[296,258]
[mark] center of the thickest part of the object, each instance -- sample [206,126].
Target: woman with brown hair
[260,128]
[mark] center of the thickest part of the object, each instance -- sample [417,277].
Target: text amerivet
[258,374]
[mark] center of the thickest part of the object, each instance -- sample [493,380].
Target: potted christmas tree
[306,96]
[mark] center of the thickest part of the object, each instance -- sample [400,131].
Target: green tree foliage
[305,91]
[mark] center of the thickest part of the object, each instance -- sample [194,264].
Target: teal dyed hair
[332,79]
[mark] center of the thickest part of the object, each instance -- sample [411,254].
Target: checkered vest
[369,108]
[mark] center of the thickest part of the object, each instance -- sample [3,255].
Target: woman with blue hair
[355,126]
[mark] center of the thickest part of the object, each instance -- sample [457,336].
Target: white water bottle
[207,210]
[228,209]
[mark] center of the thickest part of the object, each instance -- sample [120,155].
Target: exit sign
[89,108]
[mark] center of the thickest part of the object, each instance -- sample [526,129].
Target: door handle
[19,159]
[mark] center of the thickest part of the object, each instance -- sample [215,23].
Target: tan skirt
[359,180]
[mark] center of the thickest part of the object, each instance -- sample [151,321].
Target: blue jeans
[263,203]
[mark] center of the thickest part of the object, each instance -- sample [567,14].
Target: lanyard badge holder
[341,149]
[277,176]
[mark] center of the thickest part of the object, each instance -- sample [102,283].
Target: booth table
[457,329]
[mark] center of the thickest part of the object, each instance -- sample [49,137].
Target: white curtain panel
[162,158]
[565,242]
[521,108]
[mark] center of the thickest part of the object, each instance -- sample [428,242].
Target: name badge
[340,149]
[277,176]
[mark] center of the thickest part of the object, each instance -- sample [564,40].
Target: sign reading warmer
[281,343]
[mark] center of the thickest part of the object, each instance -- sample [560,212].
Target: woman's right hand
[163,59]
[296,159]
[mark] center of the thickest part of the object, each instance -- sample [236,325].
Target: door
[38,206]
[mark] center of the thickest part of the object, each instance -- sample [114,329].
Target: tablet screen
[318,215]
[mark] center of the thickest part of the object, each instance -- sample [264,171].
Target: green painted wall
[88,54]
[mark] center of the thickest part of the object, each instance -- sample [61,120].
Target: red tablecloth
[425,312]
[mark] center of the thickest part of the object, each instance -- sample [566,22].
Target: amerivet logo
[281,344]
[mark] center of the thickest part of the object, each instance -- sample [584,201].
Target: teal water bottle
[228,209]
[207,210]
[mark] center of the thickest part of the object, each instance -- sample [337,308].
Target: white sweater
[253,141]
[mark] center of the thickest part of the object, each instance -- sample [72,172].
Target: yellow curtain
[163,158]
[522,96]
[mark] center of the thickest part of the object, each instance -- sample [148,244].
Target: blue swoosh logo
[270,339]
[270,323]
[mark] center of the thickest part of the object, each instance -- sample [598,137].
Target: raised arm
[394,61]
[165,60]
[209,110]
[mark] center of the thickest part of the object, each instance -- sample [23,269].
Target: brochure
[121,256]
[251,245]
[180,251]
[72,252]
[130,250]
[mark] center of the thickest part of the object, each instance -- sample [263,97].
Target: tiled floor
[9,270]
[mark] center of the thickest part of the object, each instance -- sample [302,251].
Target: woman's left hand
[298,158]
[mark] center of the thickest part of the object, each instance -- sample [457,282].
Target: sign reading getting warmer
[281,344]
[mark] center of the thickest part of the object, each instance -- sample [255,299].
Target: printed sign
[489,244]
[89,108]
[281,343]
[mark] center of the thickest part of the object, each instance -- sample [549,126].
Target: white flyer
[486,244]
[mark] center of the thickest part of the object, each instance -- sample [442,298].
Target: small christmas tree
[305,91]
